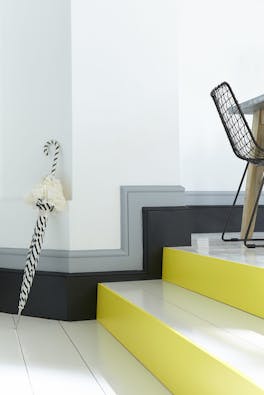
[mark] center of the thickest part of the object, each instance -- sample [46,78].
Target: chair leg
[232,207]
[252,245]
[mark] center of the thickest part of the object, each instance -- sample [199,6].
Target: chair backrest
[234,122]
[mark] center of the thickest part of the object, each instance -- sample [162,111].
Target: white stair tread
[211,244]
[232,336]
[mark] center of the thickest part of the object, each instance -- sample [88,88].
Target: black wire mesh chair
[243,144]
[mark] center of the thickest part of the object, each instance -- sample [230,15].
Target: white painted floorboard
[51,357]
[116,370]
[53,363]
[13,371]
[233,336]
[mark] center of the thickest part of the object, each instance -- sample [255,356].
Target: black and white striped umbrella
[47,197]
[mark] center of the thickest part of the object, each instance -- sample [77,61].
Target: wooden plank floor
[52,357]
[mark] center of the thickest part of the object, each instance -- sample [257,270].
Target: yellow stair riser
[238,285]
[180,365]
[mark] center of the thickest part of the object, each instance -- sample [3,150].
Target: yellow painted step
[237,284]
[188,354]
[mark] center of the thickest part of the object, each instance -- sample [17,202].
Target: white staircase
[193,344]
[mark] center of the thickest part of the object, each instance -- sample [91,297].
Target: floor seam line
[82,358]
[23,357]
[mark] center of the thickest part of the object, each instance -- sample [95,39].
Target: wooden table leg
[254,176]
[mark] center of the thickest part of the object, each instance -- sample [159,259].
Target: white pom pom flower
[50,191]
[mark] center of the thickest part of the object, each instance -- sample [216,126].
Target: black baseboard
[61,296]
[72,296]
[173,226]
[47,297]
[162,227]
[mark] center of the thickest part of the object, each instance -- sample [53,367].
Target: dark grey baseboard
[72,296]
[60,296]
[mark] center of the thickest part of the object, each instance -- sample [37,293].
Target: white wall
[218,41]
[137,95]
[125,110]
[1,93]
[36,90]
[36,106]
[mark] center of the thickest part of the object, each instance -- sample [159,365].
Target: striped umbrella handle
[56,154]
